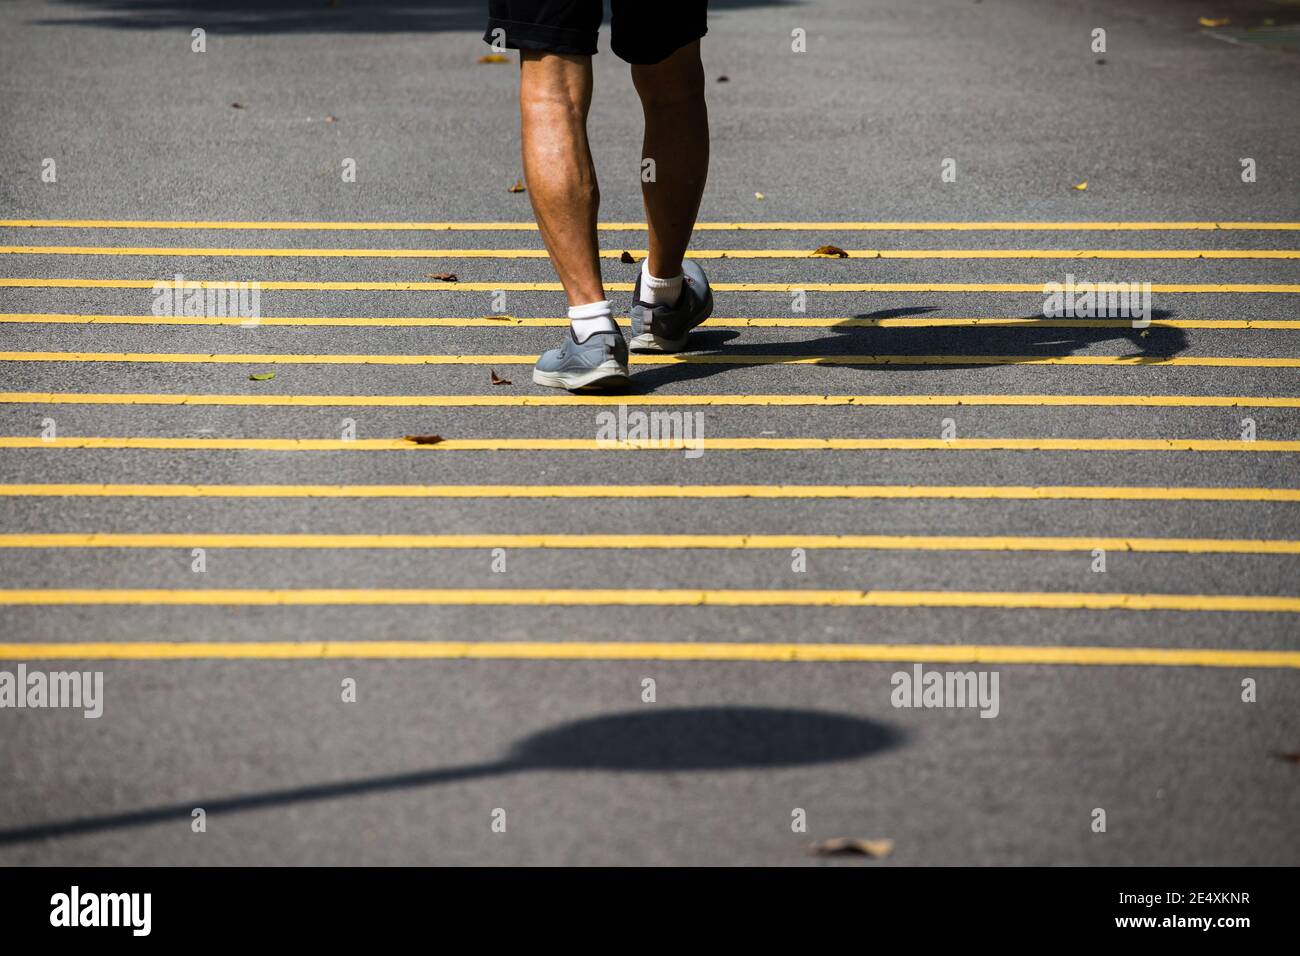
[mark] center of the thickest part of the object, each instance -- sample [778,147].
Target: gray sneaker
[598,362]
[665,328]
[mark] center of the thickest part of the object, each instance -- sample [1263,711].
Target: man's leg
[677,139]
[554,97]
[670,300]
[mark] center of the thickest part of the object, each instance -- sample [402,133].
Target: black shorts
[644,31]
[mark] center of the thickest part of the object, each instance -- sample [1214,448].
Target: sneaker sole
[649,342]
[606,375]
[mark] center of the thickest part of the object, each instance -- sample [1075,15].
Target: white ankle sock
[658,291]
[587,320]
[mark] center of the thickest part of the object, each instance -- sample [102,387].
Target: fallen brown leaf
[849,846]
[518,187]
[500,318]
[1289,758]
[236,106]
[724,79]
[498,380]
[494,58]
[423,439]
[834,251]
[441,276]
[626,257]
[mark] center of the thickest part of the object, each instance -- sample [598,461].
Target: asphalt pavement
[903,461]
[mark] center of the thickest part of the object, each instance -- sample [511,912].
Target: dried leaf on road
[831,251]
[494,58]
[498,380]
[1080,186]
[423,439]
[849,846]
[518,187]
[236,106]
[441,276]
[262,376]
[627,257]
[1288,758]
[724,79]
[759,196]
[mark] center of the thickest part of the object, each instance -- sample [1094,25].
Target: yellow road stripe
[659,650]
[632,597]
[634,492]
[705,444]
[511,322]
[900,226]
[499,401]
[297,253]
[728,542]
[413,286]
[712,358]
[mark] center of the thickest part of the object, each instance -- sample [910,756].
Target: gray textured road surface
[856,129]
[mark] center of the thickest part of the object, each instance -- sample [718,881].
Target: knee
[669,89]
[555,86]
[552,100]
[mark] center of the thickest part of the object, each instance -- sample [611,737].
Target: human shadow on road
[1026,343]
[668,740]
[300,16]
